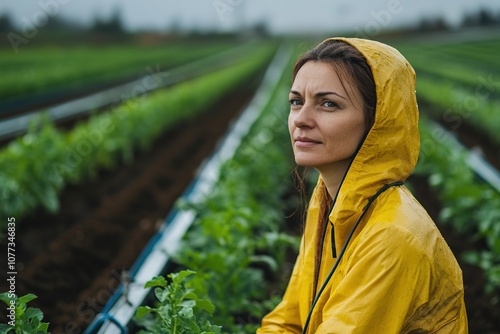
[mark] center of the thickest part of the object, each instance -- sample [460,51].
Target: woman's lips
[306,142]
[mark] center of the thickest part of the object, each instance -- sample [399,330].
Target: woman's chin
[305,162]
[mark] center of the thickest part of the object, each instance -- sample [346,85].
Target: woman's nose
[303,117]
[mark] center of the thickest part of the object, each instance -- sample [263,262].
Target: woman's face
[326,121]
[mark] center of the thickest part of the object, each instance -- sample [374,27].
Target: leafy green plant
[22,319]
[35,167]
[178,308]
[47,69]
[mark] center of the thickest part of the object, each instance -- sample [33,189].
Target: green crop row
[472,208]
[48,68]
[35,167]
[459,87]
[473,54]
[456,72]
[447,66]
[238,233]
[470,54]
[455,104]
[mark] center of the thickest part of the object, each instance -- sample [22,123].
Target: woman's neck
[333,174]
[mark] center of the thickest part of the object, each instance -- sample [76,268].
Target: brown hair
[350,65]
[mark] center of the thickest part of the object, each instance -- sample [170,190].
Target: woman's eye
[330,104]
[295,102]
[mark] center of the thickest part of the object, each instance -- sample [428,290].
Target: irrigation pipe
[475,161]
[154,258]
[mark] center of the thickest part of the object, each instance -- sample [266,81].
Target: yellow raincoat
[397,274]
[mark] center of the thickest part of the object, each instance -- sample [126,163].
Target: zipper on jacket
[334,249]
[327,220]
[316,278]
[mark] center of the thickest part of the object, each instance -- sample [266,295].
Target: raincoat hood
[389,152]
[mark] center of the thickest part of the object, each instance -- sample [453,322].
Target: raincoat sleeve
[378,291]
[285,317]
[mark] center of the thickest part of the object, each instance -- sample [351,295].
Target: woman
[371,259]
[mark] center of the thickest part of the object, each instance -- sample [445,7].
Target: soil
[73,261]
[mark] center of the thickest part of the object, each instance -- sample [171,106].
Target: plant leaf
[32,312]
[270,261]
[4,296]
[27,298]
[194,328]
[206,305]
[181,275]
[6,329]
[143,310]
[190,295]
[161,294]
[44,326]
[156,281]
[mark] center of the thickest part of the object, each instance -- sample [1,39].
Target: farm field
[59,72]
[459,87]
[152,167]
[80,231]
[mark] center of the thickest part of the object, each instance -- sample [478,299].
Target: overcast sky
[280,16]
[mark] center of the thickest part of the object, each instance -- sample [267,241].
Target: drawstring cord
[341,254]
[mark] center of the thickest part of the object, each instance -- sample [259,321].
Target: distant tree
[469,20]
[485,18]
[113,25]
[433,24]
[174,26]
[260,29]
[6,23]
[58,23]
[440,24]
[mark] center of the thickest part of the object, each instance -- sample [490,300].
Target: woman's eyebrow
[319,94]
